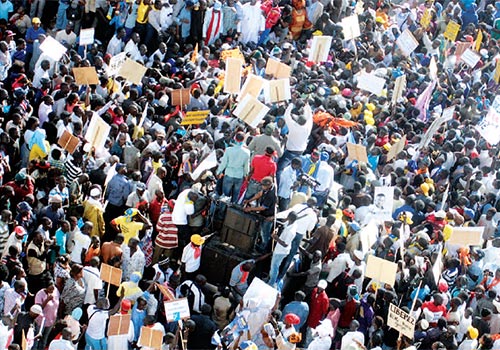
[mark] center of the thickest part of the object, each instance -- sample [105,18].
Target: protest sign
[399,86]
[208,163]
[446,116]
[383,202]
[232,77]
[132,71]
[68,142]
[176,310]
[466,236]
[111,275]
[407,42]
[381,270]
[425,21]
[253,86]
[489,127]
[85,76]
[496,76]
[360,7]
[180,97]
[262,297]
[116,62]
[97,132]
[470,58]
[320,48]
[53,48]
[251,110]
[151,338]
[357,152]
[87,36]
[235,53]
[396,148]
[277,90]
[350,27]
[119,324]
[195,117]
[461,46]
[433,69]
[371,83]
[479,40]
[401,321]
[368,236]
[452,30]
[277,69]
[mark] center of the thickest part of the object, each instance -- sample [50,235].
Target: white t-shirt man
[183,207]
[92,279]
[82,242]
[287,237]
[97,320]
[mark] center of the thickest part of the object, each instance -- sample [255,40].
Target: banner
[195,117]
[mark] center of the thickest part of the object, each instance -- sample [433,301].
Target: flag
[423,101]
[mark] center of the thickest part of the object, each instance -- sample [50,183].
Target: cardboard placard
[452,30]
[401,321]
[466,236]
[164,290]
[396,148]
[180,97]
[278,90]
[399,86]
[265,297]
[119,324]
[53,48]
[407,42]
[357,152]
[111,274]
[383,202]
[85,76]
[232,77]
[195,117]
[277,69]
[320,48]
[436,124]
[479,40]
[235,53]
[151,338]
[460,48]
[208,163]
[87,36]
[68,142]
[381,270]
[470,58]
[425,21]
[350,27]
[251,110]
[116,62]
[97,132]
[253,86]
[176,310]
[371,83]
[132,71]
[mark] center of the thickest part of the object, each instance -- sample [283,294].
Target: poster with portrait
[383,202]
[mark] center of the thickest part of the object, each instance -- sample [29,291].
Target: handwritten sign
[425,21]
[87,36]
[195,117]
[85,76]
[176,310]
[132,71]
[470,58]
[381,270]
[401,321]
[111,274]
[116,62]
[452,30]
[119,324]
[407,42]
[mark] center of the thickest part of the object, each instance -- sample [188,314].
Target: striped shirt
[72,172]
[4,235]
[167,232]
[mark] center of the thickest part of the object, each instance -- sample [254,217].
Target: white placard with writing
[401,321]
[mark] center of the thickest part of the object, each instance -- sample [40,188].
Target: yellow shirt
[129,229]
[142,13]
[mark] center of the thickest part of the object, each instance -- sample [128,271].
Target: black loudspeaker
[240,229]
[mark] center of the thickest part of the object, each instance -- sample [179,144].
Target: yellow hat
[387,146]
[379,20]
[370,107]
[425,189]
[36,20]
[473,332]
[447,231]
[197,239]
[335,90]
[369,120]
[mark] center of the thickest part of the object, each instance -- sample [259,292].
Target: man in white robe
[213,25]
[252,22]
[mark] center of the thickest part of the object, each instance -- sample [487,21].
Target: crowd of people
[152,199]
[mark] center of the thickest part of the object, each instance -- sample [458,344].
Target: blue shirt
[32,34]
[61,241]
[118,190]
[235,162]
[298,308]
[6,8]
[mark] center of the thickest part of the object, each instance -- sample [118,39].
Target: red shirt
[437,310]
[155,209]
[318,308]
[348,313]
[263,166]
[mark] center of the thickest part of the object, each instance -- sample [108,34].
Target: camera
[306,180]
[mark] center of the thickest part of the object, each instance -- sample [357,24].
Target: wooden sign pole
[109,283]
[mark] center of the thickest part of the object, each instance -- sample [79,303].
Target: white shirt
[91,277]
[348,340]
[132,49]
[324,177]
[81,242]
[338,265]
[287,178]
[97,320]
[183,207]
[39,74]
[61,344]
[65,38]
[115,46]
[191,263]
[287,237]
[43,112]
[298,135]
[306,217]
